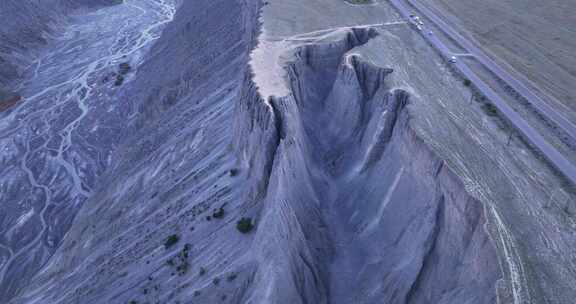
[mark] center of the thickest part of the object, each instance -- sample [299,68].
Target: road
[554,156]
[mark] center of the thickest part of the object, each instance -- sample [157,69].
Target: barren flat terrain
[533,39]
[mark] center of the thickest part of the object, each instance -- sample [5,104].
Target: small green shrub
[186,250]
[124,68]
[467,82]
[234,172]
[231,277]
[245,225]
[119,80]
[183,268]
[202,271]
[216,281]
[218,213]
[171,241]
[490,109]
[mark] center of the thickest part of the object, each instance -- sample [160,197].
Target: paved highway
[555,157]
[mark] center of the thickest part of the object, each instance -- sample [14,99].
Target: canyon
[370,172]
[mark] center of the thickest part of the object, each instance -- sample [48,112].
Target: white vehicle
[430,33]
[452,59]
[420,23]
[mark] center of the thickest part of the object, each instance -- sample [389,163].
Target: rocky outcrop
[358,209]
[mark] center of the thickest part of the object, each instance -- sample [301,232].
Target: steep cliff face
[358,209]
